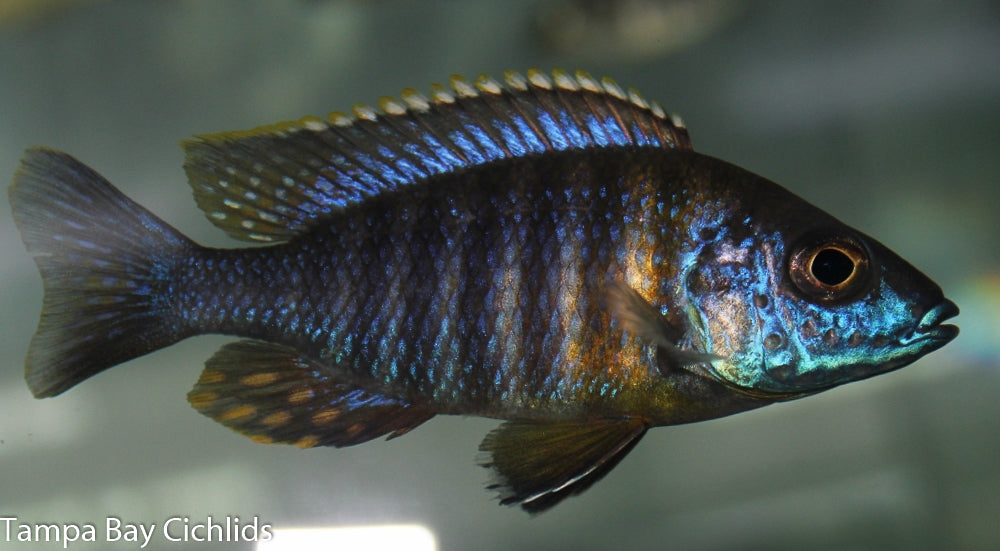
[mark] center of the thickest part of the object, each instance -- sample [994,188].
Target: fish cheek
[722,297]
[835,343]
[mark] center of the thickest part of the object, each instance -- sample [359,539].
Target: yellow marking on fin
[355,429]
[211,377]
[326,416]
[300,396]
[201,400]
[277,418]
[307,442]
[262,439]
[260,379]
[238,412]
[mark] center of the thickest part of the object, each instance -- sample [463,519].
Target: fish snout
[930,326]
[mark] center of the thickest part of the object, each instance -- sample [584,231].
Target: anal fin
[538,464]
[270,393]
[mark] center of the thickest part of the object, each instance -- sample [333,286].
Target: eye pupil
[832,267]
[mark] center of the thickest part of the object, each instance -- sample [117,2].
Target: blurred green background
[886,114]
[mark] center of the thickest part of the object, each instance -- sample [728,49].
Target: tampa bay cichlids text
[177,529]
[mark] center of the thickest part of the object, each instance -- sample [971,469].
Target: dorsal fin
[274,182]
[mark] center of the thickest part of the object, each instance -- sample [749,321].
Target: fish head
[802,303]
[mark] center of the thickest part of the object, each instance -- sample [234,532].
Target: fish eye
[830,270]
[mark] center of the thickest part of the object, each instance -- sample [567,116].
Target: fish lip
[930,327]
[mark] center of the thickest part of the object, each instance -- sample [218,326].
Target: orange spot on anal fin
[210,377]
[238,412]
[260,379]
[308,441]
[270,393]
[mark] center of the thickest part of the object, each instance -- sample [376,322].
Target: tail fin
[106,269]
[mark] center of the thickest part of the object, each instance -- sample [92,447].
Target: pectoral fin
[638,317]
[270,393]
[538,464]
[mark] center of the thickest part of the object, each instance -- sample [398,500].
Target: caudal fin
[106,268]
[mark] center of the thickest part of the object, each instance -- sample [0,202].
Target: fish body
[547,251]
[483,293]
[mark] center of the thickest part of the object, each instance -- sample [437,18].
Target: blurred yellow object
[16,11]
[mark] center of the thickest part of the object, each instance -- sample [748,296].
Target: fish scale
[546,250]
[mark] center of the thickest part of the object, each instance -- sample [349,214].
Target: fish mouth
[930,327]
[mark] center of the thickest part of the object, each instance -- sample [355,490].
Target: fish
[547,250]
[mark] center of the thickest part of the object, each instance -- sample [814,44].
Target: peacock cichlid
[548,250]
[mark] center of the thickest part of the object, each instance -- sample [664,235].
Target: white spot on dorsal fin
[515,80]
[539,79]
[462,87]
[314,124]
[487,84]
[415,100]
[611,87]
[340,119]
[587,82]
[440,95]
[564,81]
[391,106]
[657,110]
[636,99]
[363,111]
